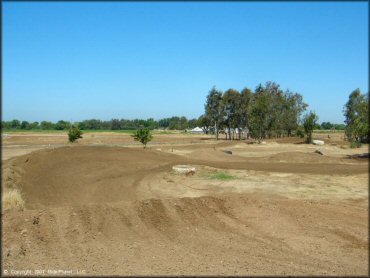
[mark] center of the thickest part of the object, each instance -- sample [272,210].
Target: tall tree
[293,108]
[243,109]
[356,112]
[231,103]
[214,109]
[309,123]
[258,113]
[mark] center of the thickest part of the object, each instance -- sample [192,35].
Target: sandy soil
[111,208]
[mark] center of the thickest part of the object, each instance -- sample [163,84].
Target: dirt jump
[112,210]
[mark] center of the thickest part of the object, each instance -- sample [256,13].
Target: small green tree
[309,123]
[74,133]
[143,135]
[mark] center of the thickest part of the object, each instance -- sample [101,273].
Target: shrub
[355,144]
[74,133]
[143,135]
[300,132]
[12,199]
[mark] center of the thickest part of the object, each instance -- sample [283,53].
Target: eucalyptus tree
[258,112]
[356,112]
[309,123]
[293,109]
[214,109]
[231,103]
[243,109]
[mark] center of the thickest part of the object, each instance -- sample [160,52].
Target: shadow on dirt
[361,156]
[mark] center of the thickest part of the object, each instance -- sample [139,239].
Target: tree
[275,106]
[326,125]
[214,109]
[309,122]
[74,133]
[293,108]
[258,114]
[204,122]
[183,123]
[243,109]
[151,123]
[231,103]
[5,125]
[15,124]
[174,123]
[47,125]
[116,124]
[62,125]
[91,124]
[143,135]
[164,123]
[356,112]
[34,125]
[192,123]
[25,125]
[339,126]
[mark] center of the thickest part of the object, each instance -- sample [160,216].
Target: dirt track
[114,210]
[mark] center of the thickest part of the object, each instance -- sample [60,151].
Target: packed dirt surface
[114,208]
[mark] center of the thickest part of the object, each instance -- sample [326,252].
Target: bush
[74,133]
[356,145]
[143,135]
[12,199]
[300,132]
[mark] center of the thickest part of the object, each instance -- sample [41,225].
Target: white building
[197,130]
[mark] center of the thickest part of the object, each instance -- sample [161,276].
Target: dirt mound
[302,157]
[231,235]
[86,174]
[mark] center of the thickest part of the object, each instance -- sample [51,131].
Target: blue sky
[83,60]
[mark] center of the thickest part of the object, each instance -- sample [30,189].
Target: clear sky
[83,60]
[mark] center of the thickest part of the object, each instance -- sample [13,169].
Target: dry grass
[12,199]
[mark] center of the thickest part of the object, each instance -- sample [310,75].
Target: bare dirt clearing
[106,206]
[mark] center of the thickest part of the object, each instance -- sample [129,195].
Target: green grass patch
[221,176]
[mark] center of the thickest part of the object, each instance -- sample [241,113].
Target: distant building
[197,130]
